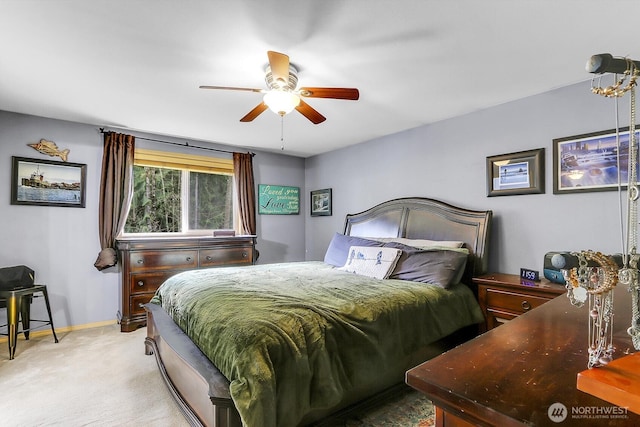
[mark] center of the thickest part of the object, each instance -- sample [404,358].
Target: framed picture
[516,173]
[321,202]
[278,200]
[591,162]
[47,183]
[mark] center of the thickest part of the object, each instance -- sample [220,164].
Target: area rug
[407,408]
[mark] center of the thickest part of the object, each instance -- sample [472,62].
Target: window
[178,193]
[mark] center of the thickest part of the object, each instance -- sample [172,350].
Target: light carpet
[101,377]
[97,377]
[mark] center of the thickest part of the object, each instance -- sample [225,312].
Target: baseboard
[44,332]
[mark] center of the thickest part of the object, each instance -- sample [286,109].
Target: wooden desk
[511,375]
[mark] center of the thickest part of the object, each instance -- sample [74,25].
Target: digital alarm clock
[530,275]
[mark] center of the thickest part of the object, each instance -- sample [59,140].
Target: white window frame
[185,163]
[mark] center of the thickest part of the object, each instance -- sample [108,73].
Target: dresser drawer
[148,282]
[512,301]
[225,256]
[163,260]
[137,301]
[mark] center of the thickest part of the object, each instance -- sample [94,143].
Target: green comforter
[297,337]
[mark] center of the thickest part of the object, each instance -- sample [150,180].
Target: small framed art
[47,183]
[589,162]
[516,173]
[321,202]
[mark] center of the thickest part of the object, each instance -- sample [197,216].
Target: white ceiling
[136,64]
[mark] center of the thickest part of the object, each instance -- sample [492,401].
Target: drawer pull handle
[188,259]
[209,258]
[244,254]
[140,261]
[525,305]
[140,283]
[141,305]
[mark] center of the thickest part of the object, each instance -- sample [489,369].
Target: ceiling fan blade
[310,113]
[259,109]
[247,89]
[279,63]
[330,92]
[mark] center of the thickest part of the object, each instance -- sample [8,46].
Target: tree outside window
[167,200]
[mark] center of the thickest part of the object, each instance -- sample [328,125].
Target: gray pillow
[439,267]
[338,249]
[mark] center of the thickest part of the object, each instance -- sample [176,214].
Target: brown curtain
[115,194]
[243,177]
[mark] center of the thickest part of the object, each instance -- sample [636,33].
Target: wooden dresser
[524,373]
[503,297]
[148,262]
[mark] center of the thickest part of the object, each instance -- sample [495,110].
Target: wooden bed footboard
[197,386]
[202,392]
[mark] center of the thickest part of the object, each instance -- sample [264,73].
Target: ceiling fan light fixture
[281,95]
[281,102]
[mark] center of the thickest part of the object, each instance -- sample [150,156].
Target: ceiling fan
[281,95]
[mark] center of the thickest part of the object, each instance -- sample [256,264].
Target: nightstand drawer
[511,301]
[159,260]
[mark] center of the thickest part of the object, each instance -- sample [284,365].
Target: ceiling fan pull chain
[282,132]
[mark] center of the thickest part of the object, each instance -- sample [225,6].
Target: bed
[336,338]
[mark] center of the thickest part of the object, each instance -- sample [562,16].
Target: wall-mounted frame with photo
[516,173]
[590,162]
[321,202]
[47,183]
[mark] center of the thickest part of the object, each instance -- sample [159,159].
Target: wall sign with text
[278,200]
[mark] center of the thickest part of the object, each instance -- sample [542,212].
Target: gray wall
[61,244]
[446,161]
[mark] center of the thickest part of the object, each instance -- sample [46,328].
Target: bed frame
[202,392]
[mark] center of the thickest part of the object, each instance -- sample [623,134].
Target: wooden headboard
[422,218]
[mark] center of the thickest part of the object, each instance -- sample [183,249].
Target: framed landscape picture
[516,173]
[47,183]
[596,161]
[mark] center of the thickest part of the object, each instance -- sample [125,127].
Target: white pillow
[420,243]
[371,261]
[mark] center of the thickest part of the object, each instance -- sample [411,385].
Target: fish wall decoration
[51,149]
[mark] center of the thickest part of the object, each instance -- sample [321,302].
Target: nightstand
[503,297]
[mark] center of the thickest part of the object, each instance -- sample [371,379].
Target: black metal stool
[16,300]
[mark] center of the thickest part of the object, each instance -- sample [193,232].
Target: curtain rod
[185,144]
